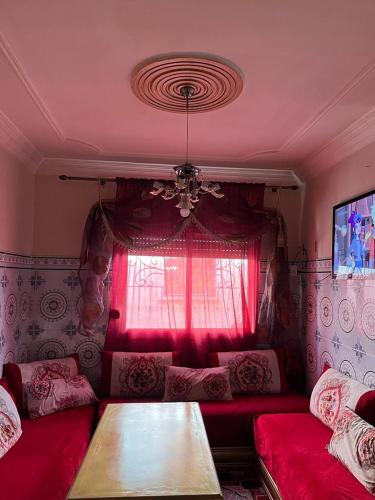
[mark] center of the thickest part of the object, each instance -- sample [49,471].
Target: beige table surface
[148,450]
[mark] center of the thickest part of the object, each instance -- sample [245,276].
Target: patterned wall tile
[339,321]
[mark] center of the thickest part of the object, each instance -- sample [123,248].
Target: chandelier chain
[187,127]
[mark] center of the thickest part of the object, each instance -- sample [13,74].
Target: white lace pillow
[334,391]
[197,384]
[52,395]
[353,443]
[17,375]
[135,374]
[10,423]
[253,372]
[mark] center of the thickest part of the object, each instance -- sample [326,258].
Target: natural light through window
[177,292]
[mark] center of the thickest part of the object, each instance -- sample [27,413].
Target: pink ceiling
[308,70]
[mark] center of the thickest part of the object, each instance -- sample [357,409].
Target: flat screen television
[353,237]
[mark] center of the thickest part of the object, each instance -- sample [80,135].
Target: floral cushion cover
[52,395]
[334,391]
[19,374]
[353,443]
[135,374]
[253,372]
[197,384]
[10,423]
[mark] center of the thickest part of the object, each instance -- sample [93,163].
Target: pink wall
[346,180]
[16,206]
[61,209]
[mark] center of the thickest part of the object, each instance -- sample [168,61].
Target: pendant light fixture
[188,184]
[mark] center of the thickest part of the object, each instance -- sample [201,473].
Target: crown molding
[102,168]
[359,134]
[24,78]
[324,110]
[13,141]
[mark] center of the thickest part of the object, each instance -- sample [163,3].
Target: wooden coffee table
[148,450]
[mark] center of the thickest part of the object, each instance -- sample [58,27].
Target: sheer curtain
[198,300]
[195,292]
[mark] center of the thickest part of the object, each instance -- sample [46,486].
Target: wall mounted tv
[353,237]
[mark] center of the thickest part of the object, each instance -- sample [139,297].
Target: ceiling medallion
[159,83]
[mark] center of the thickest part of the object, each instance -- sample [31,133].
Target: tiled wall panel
[339,323]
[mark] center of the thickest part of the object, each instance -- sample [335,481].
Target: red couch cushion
[229,423]
[45,460]
[293,448]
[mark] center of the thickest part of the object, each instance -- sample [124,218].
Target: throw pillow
[10,423]
[52,395]
[17,375]
[353,443]
[197,384]
[253,372]
[135,374]
[334,391]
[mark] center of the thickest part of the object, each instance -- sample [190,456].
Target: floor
[236,486]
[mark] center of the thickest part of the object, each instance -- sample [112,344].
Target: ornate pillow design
[253,372]
[20,374]
[197,384]
[334,391]
[10,423]
[53,395]
[353,443]
[133,374]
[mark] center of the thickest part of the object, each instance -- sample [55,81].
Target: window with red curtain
[189,285]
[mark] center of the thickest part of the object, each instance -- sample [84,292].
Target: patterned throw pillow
[353,443]
[17,375]
[52,395]
[253,372]
[10,423]
[135,374]
[197,384]
[334,391]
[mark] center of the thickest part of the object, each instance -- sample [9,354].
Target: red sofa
[295,464]
[45,460]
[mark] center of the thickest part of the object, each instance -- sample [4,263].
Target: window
[185,292]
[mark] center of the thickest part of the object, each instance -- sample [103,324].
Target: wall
[339,315]
[61,208]
[16,237]
[16,206]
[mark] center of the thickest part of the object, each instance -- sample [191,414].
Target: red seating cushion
[229,423]
[293,448]
[45,460]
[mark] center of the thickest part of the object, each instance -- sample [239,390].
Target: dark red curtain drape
[185,284]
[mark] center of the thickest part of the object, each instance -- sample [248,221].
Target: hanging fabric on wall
[95,262]
[279,322]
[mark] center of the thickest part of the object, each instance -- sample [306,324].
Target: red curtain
[185,284]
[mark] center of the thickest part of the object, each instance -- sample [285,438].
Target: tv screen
[353,238]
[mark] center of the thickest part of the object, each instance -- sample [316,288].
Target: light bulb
[184,212]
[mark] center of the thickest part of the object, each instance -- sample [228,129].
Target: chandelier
[188,184]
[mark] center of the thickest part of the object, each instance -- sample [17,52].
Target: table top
[148,450]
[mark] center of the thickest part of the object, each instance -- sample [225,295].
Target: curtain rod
[104,180]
